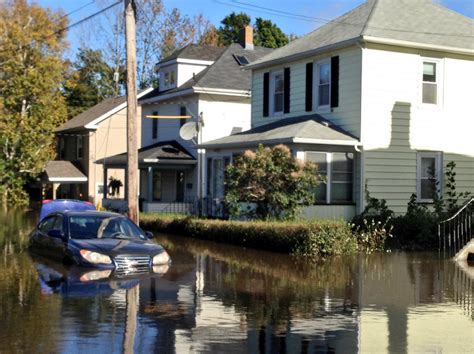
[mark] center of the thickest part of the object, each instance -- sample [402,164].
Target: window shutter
[309,87]
[286,92]
[154,131]
[335,81]
[266,92]
[182,112]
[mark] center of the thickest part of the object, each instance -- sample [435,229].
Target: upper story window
[430,82]
[79,147]
[62,147]
[278,89]
[168,78]
[428,176]
[154,129]
[323,84]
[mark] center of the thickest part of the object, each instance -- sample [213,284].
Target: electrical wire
[250,6]
[78,9]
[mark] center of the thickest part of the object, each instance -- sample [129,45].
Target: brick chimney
[246,37]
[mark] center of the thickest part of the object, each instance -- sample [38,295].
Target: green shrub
[321,238]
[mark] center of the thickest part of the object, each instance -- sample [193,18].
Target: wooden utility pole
[132,147]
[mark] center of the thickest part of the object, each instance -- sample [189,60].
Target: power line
[87,18]
[78,9]
[249,6]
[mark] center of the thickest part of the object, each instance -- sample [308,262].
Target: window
[167,78]
[173,77]
[428,176]
[154,130]
[79,147]
[278,91]
[323,84]
[337,170]
[62,147]
[430,82]
[47,224]
[341,177]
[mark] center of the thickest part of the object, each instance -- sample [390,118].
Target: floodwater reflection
[218,298]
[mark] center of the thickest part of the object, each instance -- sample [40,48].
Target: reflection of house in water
[410,302]
[228,300]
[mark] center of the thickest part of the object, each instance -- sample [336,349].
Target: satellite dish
[188,131]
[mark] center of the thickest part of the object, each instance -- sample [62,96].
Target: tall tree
[91,81]
[266,33]
[269,35]
[31,102]
[229,32]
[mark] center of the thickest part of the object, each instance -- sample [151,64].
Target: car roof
[89,213]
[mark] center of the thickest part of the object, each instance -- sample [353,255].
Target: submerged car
[97,239]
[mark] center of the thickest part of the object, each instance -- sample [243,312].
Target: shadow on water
[219,298]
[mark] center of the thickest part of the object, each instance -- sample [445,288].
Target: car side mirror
[56,234]
[149,234]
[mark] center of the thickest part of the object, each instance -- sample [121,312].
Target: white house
[381,98]
[207,84]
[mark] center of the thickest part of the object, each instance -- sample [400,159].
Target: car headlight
[95,257]
[162,258]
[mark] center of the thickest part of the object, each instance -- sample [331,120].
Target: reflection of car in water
[96,239]
[74,281]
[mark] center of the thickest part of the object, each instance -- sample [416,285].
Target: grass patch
[302,238]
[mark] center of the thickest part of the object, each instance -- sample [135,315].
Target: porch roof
[162,153]
[307,129]
[63,172]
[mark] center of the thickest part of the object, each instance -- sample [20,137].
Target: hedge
[316,238]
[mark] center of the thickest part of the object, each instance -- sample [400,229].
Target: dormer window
[168,78]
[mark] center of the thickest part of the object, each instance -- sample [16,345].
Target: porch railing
[454,233]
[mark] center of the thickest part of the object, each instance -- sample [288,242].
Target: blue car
[97,239]
[50,206]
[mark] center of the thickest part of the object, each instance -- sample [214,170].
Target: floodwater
[222,299]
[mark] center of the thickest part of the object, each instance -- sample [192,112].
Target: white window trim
[272,93]
[439,82]
[320,108]
[438,156]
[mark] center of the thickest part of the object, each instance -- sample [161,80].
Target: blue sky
[216,10]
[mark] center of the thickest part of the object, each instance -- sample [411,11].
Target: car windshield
[94,226]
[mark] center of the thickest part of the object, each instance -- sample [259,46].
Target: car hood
[114,247]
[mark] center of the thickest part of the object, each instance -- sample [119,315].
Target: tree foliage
[31,102]
[266,33]
[271,179]
[90,81]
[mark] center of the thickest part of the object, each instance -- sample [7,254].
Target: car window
[103,226]
[47,224]
[58,223]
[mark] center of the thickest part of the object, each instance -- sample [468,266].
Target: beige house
[95,134]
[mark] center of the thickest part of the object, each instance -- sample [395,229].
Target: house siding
[396,125]
[346,115]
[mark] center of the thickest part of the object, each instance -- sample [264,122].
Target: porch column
[150,184]
[104,183]
[55,187]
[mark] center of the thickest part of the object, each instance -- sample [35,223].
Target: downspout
[362,183]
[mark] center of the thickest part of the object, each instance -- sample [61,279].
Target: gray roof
[81,120]
[417,21]
[225,73]
[63,170]
[86,117]
[195,51]
[166,152]
[311,129]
